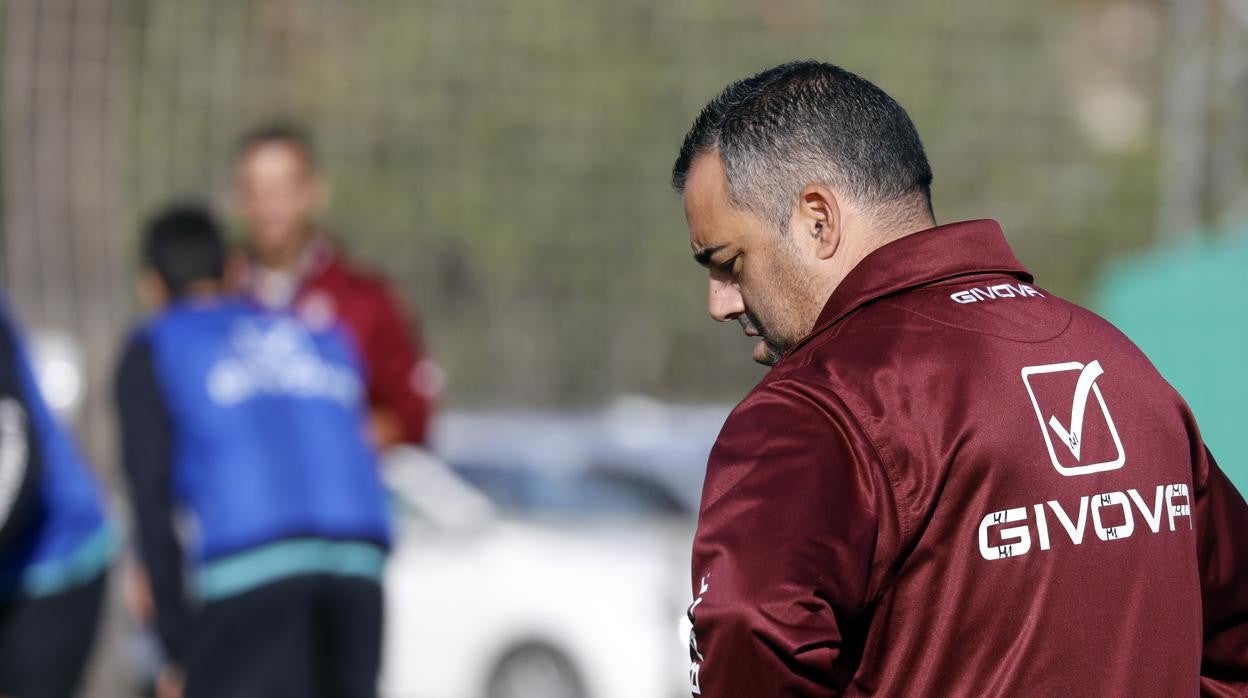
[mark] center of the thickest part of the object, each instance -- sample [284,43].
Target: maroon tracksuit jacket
[959,484]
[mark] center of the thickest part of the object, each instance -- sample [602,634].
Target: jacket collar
[920,259]
[319,256]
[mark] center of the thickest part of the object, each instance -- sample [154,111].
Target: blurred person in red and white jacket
[290,262]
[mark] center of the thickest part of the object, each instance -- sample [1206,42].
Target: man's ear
[153,293]
[819,216]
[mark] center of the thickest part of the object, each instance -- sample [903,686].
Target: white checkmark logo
[1072,432]
[1072,437]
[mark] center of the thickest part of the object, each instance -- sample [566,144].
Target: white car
[513,582]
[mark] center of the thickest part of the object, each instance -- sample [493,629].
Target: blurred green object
[1186,306]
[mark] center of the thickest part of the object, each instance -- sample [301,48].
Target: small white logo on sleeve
[1075,432]
[695,655]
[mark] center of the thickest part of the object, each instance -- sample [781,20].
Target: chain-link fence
[506,163]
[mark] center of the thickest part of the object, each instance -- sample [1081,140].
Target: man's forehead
[705,239]
[705,199]
[715,222]
[707,182]
[274,157]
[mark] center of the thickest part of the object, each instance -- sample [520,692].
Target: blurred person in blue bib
[244,442]
[55,545]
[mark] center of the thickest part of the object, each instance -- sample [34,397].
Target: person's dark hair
[183,244]
[286,132]
[805,122]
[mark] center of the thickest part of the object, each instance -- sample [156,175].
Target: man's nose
[724,300]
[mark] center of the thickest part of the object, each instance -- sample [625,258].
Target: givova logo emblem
[1078,429]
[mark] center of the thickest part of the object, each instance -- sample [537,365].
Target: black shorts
[45,641]
[306,636]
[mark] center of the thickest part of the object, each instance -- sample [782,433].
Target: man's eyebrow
[703,256]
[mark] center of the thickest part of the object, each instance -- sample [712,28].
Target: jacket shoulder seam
[961,328]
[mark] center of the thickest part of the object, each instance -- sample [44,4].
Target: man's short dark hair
[805,122]
[183,244]
[286,132]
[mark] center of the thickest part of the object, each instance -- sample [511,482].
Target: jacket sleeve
[400,375]
[788,551]
[1221,523]
[147,453]
[20,459]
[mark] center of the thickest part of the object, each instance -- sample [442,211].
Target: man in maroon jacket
[291,264]
[951,482]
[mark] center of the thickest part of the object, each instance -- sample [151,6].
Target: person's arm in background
[147,453]
[19,457]
[402,380]
[1222,549]
[789,550]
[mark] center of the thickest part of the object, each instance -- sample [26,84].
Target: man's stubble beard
[775,352]
[796,308]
